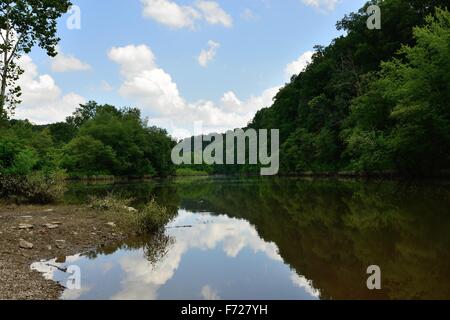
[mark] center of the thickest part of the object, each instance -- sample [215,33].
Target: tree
[338,115]
[85,155]
[403,118]
[24,24]
[117,142]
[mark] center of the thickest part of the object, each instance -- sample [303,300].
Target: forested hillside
[373,100]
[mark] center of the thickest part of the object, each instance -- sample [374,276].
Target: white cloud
[299,65]
[135,277]
[171,14]
[67,63]
[322,5]
[209,54]
[231,103]
[305,284]
[143,280]
[158,95]
[42,100]
[214,14]
[209,293]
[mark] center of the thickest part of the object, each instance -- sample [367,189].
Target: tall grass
[152,218]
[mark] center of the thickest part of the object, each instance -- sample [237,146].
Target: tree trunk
[4,78]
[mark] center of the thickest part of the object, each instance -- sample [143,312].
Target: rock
[49,247]
[51,226]
[25,226]
[111,224]
[25,245]
[49,210]
[56,222]
[26,217]
[130,209]
[75,233]
[60,244]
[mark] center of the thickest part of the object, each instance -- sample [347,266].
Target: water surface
[274,238]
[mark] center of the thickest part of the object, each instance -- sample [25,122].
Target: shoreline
[54,231]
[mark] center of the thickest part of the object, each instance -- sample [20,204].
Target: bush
[109,203]
[36,188]
[150,219]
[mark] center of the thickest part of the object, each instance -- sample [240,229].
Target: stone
[130,209]
[25,245]
[56,222]
[25,226]
[51,226]
[111,224]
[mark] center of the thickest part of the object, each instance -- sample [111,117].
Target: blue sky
[145,53]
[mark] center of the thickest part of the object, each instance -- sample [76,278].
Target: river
[273,238]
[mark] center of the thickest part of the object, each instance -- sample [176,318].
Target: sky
[186,64]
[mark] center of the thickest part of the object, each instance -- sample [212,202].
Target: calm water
[273,239]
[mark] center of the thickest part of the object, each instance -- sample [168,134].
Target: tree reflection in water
[329,231]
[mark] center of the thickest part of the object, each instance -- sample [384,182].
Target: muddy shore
[34,233]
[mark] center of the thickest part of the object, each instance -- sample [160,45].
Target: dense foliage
[96,140]
[373,100]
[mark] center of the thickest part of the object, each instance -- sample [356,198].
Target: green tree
[16,158]
[85,155]
[131,147]
[24,24]
[404,117]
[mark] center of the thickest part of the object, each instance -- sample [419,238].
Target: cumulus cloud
[322,5]
[132,276]
[299,65]
[305,284]
[158,95]
[67,63]
[214,14]
[42,100]
[171,14]
[207,55]
[143,280]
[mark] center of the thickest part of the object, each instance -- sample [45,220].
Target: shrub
[36,188]
[150,219]
[109,203]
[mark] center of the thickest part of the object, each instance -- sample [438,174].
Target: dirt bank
[32,233]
